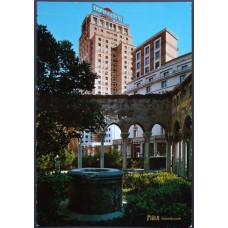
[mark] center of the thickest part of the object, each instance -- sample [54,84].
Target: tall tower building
[106,43]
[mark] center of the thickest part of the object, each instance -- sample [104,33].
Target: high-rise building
[154,52]
[106,43]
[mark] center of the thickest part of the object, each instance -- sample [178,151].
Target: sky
[64,19]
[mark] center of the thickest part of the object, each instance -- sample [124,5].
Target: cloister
[171,110]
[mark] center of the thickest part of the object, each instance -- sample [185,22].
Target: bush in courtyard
[51,189]
[135,163]
[45,163]
[161,194]
[67,160]
[112,159]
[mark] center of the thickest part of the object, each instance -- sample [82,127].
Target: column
[124,136]
[168,152]
[180,153]
[155,147]
[102,137]
[173,157]
[168,156]
[190,158]
[79,153]
[180,157]
[183,158]
[141,148]
[146,136]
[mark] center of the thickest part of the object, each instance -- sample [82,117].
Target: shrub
[134,163]
[45,163]
[51,189]
[161,194]
[67,160]
[112,159]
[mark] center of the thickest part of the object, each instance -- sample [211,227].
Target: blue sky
[63,19]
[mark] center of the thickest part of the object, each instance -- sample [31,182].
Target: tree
[61,84]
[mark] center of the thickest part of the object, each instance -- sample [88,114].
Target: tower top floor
[105,19]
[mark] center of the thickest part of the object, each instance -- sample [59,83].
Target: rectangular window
[146,60]
[157,44]
[157,64]
[138,66]
[182,78]
[146,70]
[166,73]
[147,50]
[157,54]
[150,79]
[148,89]
[137,74]
[138,56]
[185,67]
[163,84]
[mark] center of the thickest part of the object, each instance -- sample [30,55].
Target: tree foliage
[61,84]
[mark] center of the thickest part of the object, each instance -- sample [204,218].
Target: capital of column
[169,137]
[146,136]
[124,135]
[187,134]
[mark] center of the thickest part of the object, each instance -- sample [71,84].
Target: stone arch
[161,124]
[139,124]
[113,123]
[187,128]
[187,123]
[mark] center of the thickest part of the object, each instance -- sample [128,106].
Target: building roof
[152,37]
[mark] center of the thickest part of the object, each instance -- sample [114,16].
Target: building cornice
[152,37]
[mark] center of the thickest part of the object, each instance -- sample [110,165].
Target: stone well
[95,191]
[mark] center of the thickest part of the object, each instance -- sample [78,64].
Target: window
[185,67]
[95,20]
[138,66]
[147,50]
[138,56]
[147,70]
[150,79]
[157,64]
[146,60]
[135,92]
[137,74]
[157,54]
[163,84]
[138,84]
[166,73]
[182,78]
[99,39]
[157,44]
[148,89]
